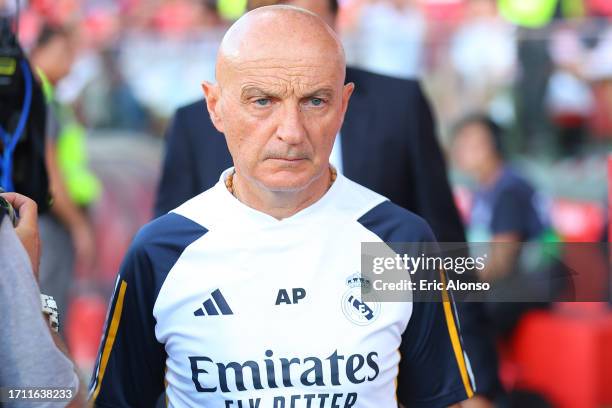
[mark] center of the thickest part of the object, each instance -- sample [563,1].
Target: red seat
[566,355]
[84,329]
[578,221]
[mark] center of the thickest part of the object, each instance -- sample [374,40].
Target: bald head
[281,33]
[280,99]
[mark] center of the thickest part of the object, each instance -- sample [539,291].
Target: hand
[27,226]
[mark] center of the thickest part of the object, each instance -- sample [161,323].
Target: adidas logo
[214,306]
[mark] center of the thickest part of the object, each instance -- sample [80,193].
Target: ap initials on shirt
[283,296]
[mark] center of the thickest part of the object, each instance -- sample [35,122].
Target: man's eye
[262,101]
[317,101]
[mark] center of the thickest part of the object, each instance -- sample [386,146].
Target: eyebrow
[250,91]
[326,92]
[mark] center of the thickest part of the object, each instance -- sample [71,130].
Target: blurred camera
[22,122]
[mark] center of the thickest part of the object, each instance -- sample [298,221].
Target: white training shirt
[221,305]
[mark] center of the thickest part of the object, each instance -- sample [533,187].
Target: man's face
[60,54]
[280,117]
[472,149]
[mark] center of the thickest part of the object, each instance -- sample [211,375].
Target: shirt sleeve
[28,353]
[433,370]
[131,363]
[130,367]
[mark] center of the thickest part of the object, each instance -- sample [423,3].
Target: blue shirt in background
[510,205]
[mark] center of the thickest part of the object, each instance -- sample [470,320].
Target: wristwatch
[49,308]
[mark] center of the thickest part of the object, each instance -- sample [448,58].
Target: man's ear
[212,95]
[347,91]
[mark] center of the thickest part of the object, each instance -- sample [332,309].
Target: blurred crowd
[544,70]
[538,74]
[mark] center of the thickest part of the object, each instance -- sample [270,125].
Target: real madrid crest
[357,311]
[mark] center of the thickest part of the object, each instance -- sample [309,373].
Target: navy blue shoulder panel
[130,367]
[162,241]
[392,223]
[426,344]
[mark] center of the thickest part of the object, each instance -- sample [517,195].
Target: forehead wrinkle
[294,81]
[300,90]
[289,66]
[278,72]
[278,61]
[273,72]
[289,70]
[282,77]
[264,88]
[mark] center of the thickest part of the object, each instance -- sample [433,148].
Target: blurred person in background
[108,102]
[66,232]
[389,37]
[598,70]
[186,16]
[569,98]
[96,86]
[504,207]
[483,55]
[533,20]
[506,212]
[155,47]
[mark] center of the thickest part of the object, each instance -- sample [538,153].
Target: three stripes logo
[214,306]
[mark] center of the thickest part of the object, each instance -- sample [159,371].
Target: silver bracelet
[49,308]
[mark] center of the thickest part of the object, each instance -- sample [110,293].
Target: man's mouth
[288,159]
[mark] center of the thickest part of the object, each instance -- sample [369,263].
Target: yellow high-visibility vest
[83,186]
[538,13]
[231,9]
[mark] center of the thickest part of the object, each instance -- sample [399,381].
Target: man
[387,143]
[506,211]
[505,208]
[31,353]
[239,296]
[66,231]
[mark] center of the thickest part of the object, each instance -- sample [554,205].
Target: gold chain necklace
[229,182]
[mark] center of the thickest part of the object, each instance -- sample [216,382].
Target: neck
[280,204]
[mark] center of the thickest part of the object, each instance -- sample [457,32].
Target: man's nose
[291,128]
